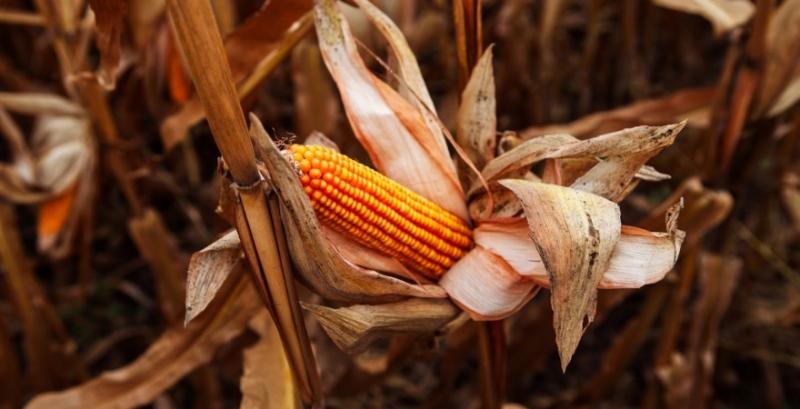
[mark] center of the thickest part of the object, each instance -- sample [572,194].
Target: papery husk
[394,132]
[476,119]
[354,328]
[318,262]
[575,233]
[640,257]
[208,269]
[485,286]
[173,355]
[724,15]
[413,87]
[621,154]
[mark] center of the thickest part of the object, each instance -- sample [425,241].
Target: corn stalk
[257,223]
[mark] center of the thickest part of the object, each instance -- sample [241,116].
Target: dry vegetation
[630,171]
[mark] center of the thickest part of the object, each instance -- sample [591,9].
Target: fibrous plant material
[380,213]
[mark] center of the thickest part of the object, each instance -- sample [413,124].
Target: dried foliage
[629,172]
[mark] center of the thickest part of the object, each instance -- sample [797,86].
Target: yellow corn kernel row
[380,213]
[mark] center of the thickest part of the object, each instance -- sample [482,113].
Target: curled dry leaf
[621,155]
[476,119]
[109,15]
[318,261]
[267,379]
[575,233]
[173,355]
[353,328]
[208,270]
[393,131]
[780,81]
[724,15]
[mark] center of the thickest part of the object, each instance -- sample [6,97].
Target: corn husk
[392,130]
[353,328]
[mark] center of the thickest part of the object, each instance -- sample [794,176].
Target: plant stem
[257,225]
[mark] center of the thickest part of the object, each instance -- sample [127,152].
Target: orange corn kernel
[380,213]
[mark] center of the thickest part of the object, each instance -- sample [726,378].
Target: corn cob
[380,213]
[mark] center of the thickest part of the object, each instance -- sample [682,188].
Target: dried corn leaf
[692,104]
[487,287]
[109,16]
[393,131]
[39,104]
[476,119]
[176,353]
[781,73]
[318,262]
[724,15]
[575,233]
[267,379]
[268,29]
[208,269]
[354,328]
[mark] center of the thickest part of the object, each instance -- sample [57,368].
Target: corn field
[399,204]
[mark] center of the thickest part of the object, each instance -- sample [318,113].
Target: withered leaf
[176,353]
[208,270]
[575,233]
[354,328]
[476,119]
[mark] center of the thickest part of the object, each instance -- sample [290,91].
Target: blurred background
[109,183]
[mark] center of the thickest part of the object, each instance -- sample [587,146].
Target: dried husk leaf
[317,261]
[413,87]
[266,382]
[354,328]
[576,233]
[781,73]
[724,15]
[621,154]
[208,269]
[109,15]
[640,257]
[476,119]
[393,131]
[692,104]
[487,287]
[176,353]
